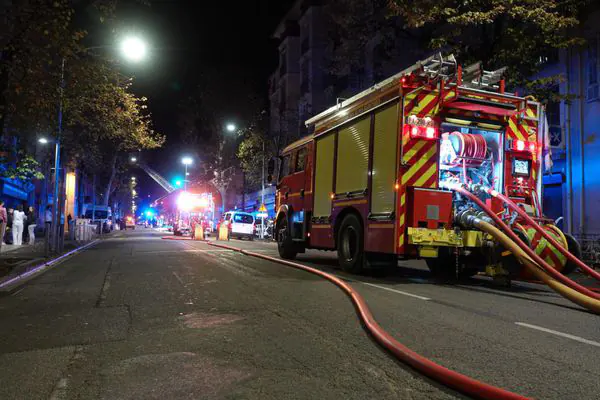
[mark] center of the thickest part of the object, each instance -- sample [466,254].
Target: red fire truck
[375,181]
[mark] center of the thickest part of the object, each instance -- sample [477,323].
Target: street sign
[262,208]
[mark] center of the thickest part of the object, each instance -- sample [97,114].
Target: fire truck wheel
[285,245]
[574,248]
[350,244]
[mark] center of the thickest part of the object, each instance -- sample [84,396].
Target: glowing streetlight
[43,140]
[230,127]
[186,161]
[133,178]
[134,49]
[133,159]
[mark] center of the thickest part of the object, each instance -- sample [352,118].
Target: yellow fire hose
[565,291]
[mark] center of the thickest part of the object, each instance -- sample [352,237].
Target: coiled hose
[445,376]
[585,268]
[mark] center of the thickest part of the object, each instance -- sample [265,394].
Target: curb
[11,285]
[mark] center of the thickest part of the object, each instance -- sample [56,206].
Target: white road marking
[396,291]
[178,277]
[565,335]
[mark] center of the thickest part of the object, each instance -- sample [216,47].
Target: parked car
[129,222]
[239,224]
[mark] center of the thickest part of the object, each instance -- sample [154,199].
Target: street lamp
[43,140]
[230,127]
[133,159]
[186,161]
[134,49]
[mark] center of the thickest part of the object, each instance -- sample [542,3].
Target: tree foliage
[251,156]
[101,117]
[520,34]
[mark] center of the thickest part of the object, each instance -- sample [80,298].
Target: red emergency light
[524,146]
[422,132]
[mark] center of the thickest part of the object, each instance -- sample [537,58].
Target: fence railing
[590,249]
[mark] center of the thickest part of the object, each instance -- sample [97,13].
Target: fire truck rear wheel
[285,245]
[350,244]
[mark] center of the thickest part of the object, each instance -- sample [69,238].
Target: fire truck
[399,170]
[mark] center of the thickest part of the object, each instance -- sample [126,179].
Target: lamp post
[186,161]
[134,49]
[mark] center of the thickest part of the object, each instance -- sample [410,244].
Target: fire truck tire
[285,245]
[574,248]
[350,245]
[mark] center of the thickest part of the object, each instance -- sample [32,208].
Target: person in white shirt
[17,226]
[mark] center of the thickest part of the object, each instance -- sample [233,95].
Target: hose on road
[445,376]
[570,294]
[532,254]
[585,268]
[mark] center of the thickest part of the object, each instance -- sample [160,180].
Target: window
[227,217]
[285,165]
[300,160]
[243,219]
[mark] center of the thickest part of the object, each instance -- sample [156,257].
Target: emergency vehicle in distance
[375,180]
[184,208]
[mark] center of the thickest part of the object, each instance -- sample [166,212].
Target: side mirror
[271,168]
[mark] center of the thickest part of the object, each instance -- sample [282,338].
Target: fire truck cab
[374,181]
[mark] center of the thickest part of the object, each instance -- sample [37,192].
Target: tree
[251,156]
[519,34]
[101,117]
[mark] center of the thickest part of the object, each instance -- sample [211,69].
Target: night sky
[189,37]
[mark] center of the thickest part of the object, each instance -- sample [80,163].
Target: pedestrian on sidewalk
[9,227]
[18,222]
[3,222]
[32,223]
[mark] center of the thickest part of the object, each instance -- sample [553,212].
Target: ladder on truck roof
[475,77]
[433,67]
[158,178]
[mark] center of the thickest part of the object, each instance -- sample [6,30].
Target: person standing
[3,222]
[18,221]
[32,220]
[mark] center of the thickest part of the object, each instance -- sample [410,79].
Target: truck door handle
[287,194]
[302,193]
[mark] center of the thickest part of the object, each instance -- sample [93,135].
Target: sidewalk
[15,260]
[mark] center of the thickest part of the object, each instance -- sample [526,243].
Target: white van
[240,224]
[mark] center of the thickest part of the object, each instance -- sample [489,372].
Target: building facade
[301,86]
[572,186]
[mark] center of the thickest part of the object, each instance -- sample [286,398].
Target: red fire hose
[523,214]
[588,270]
[452,379]
[547,268]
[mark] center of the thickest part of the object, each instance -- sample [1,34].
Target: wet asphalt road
[138,317]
